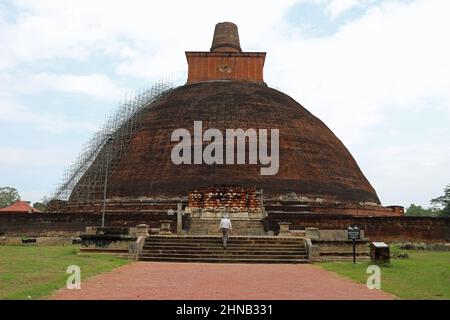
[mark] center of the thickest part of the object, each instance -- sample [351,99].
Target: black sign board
[354,233]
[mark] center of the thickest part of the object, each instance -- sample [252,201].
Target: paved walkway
[160,280]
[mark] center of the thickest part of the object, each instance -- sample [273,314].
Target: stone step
[231,238]
[243,249]
[223,260]
[231,242]
[215,239]
[233,222]
[221,251]
[226,256]
[210,227]
[236,231]
[220,247]
[290,209]
[274,212]
[184,237]
[208,232]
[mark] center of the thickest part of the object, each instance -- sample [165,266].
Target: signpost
[354,233]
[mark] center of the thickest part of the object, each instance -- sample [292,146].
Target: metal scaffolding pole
[87,176]
[105,187]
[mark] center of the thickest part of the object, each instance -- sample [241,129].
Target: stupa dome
[225,89]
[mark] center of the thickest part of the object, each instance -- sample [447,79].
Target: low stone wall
[332,250]
[72,224]
[388,229]
[40,241]
[352,209]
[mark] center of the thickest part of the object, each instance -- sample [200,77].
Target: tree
[418,211]
[40,206]
[8,196]
[443,202]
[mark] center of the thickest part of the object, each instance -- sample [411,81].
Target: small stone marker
[380,253]
[142,230]
[284,228]
[165,227]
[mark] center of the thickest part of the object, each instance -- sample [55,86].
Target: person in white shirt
[225,227]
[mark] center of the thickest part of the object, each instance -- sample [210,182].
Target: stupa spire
[226,38]
[225,60]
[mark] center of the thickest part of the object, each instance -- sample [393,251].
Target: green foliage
[425,275]
[443,202]
[40,206]
[8,196]
[418,211]
[33,272]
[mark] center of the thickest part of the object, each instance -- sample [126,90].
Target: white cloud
[410,172]
[20,157]
[53,28]
[98,86]
[395,56]
[12,111]
[384,60]
[337,7]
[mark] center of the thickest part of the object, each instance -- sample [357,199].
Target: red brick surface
[148,280]
[207,66]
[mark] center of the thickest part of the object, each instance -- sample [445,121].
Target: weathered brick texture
[232,198]
[419,229]
[393,228]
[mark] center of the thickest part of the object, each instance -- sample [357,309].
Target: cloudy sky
[376,72]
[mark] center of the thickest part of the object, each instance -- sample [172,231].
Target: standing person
[225,227]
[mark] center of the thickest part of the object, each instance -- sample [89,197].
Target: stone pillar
[142,230]
[90,230]
[284,228]
[179,219]
[165,227]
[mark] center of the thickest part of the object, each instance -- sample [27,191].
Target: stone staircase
[276,206]
[241,249]
[199,226]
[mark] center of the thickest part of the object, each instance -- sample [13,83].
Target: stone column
[142,230]
[179,219]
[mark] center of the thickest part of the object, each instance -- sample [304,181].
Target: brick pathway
[159,280]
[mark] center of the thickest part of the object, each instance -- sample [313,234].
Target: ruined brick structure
[230,198]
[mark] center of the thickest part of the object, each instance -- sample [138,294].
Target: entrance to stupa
[243,206]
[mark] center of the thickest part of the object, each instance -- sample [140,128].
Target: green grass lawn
[425,275]
[33,272]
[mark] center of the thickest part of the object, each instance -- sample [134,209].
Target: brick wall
[206,66]
[69,224]
[419,229]
[394,228]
